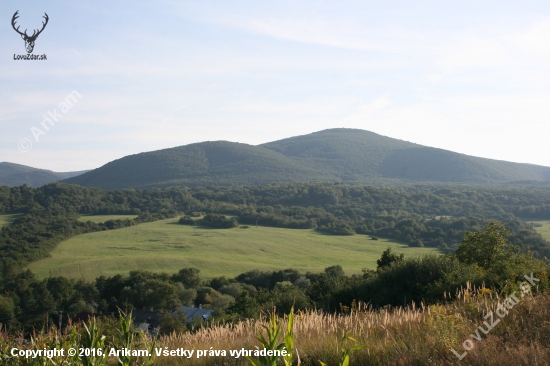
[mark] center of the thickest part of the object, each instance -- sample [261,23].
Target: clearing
[165,246]
[541,226]
[7,220]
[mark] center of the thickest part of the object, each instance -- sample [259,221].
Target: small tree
[388,258]
[335,271]
[190,277]
[487,247]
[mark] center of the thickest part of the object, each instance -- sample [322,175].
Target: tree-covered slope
[354,155]
[357,156]
[13,175]
[336,155]
[206,163]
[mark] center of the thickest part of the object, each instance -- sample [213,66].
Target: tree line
[430,215]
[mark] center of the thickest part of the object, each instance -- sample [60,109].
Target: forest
[439,216]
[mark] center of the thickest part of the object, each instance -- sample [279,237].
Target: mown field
[8,219]
[543,229]
[167,246]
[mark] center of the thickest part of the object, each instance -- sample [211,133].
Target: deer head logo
[29,40]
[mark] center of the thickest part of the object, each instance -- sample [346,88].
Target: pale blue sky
[467,76]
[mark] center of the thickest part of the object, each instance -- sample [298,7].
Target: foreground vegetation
[164,246]
[414,335]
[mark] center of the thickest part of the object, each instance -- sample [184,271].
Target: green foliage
[487,247]
[7,309]
[219,221]
[270,342]
[337,228]
[335,271]
[173,322]
[289,339]
[416,243]
[346,350]
[186,220]
[93,339]
[189,277]
[127,334]
[388,258]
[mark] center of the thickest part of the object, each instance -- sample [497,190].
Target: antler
[43,25]
[35,34]
[15,16]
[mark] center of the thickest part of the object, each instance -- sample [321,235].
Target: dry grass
[417,335]
[400,336]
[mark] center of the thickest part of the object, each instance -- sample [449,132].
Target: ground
[167,246]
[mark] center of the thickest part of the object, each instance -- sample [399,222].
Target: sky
[467,76]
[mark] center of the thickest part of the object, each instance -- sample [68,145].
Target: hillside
[357,155]
[13,175]
[336,155]
[206,163]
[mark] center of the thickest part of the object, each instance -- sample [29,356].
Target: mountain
[205,163]
[12,175]
[335,155]
[358,155]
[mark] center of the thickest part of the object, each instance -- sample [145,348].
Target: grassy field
[6,220]
[166,246]
[543,230]
[103,218]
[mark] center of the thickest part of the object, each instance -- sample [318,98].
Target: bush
[337,228]
[219,221]
[186,220]
[417,243]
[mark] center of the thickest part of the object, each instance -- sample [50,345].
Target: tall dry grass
[415,335]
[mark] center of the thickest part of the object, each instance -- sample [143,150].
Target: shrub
[337,228]
[219,221]
[186,220]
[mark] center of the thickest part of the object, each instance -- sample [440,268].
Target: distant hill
[12,175]
[205,163]
[358,155]
[335,155]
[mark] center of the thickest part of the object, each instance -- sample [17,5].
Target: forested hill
[208,163]
[336,155]
[13,175]
[356,155]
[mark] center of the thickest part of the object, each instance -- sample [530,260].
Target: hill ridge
[334,155]
[12,174]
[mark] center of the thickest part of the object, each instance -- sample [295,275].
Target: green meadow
[6,220]
[167,246]
[542,227]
